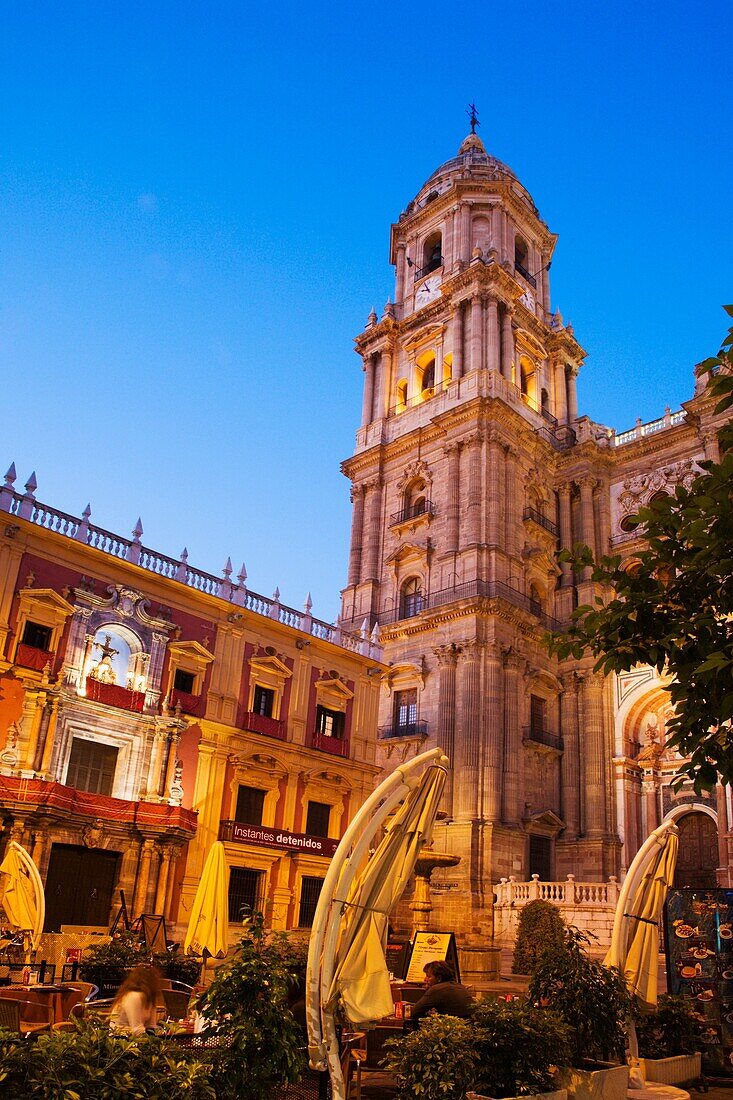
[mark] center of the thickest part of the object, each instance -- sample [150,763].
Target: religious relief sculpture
[639,490]
[176,788]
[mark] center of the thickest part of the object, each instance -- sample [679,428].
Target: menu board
[699,950]
[427,947]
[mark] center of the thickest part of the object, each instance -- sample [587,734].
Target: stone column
[472,516]
[710,443]
[379,403]
[174,854]
[566,532]
[561,392]
[651,800]
[357,533]
[587,524]
[512,778]
[476,333]
[465,232]
[143,878]
[494,489]
[174,740]
[466,767]
[453,496]
[572,394]
[510,506]
[594,781]
[570,762]
[494,733]
[507,344]
[370,568]
[368,401]
[602,516]
[447,656]
[400,275]
[457,337]
[493,350]
[161,891]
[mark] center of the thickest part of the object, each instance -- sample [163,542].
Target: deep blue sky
[195,202]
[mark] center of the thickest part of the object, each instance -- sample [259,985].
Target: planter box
[672,1071]
[595,1084]
[557,1094]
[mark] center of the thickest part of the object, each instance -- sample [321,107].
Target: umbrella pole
[633,1041]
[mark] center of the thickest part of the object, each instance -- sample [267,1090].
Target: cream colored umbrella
[208,926]
[346,951]
[635,940]
[22,895]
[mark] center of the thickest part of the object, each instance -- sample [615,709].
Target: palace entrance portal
[79,886]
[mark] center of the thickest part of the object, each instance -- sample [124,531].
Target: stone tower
[471,468]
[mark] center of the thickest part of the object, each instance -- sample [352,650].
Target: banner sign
[281,838]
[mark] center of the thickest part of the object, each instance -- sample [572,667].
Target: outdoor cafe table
[61,998]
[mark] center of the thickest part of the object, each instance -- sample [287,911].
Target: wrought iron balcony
[541,736]
[432,265]
[477,589]
[525,274]
[403,729]
[412,511]
[542,521]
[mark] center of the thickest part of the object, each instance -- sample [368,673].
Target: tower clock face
[427,290]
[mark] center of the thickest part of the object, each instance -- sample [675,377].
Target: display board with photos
[698,935]
[427,947]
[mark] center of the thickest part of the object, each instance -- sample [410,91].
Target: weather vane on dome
[473,115]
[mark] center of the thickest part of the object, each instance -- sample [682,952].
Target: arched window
[629,523]
[528,381]
[432,253]
[411,598]
[535,600]
[415,501]
[427,381]
[402,395]
[521,256]
[544,402]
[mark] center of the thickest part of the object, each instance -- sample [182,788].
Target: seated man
[443,994]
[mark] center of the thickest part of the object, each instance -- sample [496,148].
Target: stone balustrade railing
[669,420]
[25,506]
[513,893]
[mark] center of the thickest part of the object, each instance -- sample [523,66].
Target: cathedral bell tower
[464,478]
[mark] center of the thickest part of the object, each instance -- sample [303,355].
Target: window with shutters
[250,802]
[310,890]
[405,710]
[318,819]
[91,766]
[537,714]
[329,723]
[263,701]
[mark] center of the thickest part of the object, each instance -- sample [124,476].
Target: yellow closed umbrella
[22,895]
[208,926]
[361,977]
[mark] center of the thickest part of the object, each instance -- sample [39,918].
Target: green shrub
[673,1029]
[517,1047]
[179,967]
[541,926]
[247,1003]
[591,998]
[436,1062]
[95,1064]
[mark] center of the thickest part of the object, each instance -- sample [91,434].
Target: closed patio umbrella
[346,951]
[635,939]
[22,895]
[208,926]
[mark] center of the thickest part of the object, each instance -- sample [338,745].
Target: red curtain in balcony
[189,704]
[30,657]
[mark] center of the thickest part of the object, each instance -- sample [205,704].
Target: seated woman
[443,994]
[134,1009]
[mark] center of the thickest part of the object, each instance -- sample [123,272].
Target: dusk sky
[195,201]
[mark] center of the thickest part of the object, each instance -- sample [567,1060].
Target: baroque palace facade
[472,467]
[148,709]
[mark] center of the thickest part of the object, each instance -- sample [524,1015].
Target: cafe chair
[88,990]
[24,1017]
[76,1015]
[176,1003]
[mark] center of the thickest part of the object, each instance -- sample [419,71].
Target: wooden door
[79,886]
[698,852]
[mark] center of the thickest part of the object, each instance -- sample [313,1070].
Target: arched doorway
[698,852]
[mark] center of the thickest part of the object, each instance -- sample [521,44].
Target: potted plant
[105,964]
[518,1048]
[594,1001]
[260,1046]
[435,1062]
[540,928]
[669,1041]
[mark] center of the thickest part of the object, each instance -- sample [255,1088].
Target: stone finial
[133,550]
[372,318]
[336,635]
[26,505]
[228,568]
[226,587]
[478,253]
[242,575]
[82,531]
[181,573]
[6,491]
[274,611]
[557,319]
[137,530]
[389,308]
[240,592]
[308,604]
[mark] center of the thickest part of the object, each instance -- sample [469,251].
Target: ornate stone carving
[638,491]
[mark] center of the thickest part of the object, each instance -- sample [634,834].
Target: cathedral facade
[473,466]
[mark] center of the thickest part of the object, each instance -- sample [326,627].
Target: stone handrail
[25,506]
[669,420]
[509,892]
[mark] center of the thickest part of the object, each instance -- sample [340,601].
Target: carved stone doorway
[698,852]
